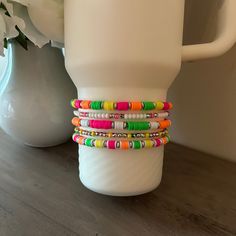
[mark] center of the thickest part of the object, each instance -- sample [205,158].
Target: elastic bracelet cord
[121,116]
[121,144]
[92,133]
[120,106]
[121,125]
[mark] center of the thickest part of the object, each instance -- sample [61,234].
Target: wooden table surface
[40,194]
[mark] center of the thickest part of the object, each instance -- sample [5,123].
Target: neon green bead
[96,105]
[149,106]
[137,144]
[88,142]
[137,125]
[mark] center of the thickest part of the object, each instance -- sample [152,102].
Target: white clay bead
[119,125]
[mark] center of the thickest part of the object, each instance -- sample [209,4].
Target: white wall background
[204,94]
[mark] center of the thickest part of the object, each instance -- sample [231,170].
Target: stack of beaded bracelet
[90,124]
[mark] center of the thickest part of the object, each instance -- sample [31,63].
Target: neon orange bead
[164,124]
[170,105]
[137,106]
[76,121]
[85,104]
[80,140]
[164,139]
[124,144]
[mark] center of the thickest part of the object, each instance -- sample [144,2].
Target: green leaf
[2,6]
[5,43]
[22,39]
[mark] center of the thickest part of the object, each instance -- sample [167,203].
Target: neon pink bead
[166,106]
[158,142]
[75,137]
[100,124]
[77,104]
[122,106]
[111,144]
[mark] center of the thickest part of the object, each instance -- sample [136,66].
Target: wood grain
[40,194]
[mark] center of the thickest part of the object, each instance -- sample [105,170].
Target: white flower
[47,16]
[38,23]
[7,28]
[21,18]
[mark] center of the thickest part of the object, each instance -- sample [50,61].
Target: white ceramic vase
[34,97]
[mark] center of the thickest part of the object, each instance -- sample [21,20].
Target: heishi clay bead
[77,104]
[96,105]
[72,103]
[85,104]
[165,124]
[122,106]
[170,105]
[148,143]
[159,105]
[75,137]
[98,143]
[108,105]
[124,145]
[149,106]
[166,106]
[76,121]
[136,106]
[137,144]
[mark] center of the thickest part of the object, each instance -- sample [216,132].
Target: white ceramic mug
[131,50]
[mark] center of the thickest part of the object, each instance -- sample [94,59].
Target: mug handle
[225,40]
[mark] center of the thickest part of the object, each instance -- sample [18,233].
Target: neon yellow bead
[147,135]
[148,143]
[99,143]
[73,103]
[110,135]
[159,105]
[92,133]
[129,136]
[108,106]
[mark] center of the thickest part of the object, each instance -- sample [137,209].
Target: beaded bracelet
[121,125]
[121,106]
[120,144]
[121,116]
[121,135]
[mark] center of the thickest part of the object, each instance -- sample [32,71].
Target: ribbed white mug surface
[130,50]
